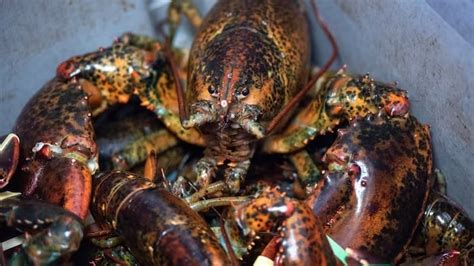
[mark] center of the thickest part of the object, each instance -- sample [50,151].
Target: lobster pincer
[57,143]
[54,232]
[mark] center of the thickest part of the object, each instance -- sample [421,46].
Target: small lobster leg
[121,71]
[9,155]
[301,236]
[138,151]
[308,172]
[178,7]
[167,230]
[127,142]
[55,231]
[140,41]
[57,140]
[439,182]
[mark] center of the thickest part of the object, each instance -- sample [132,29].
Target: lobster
[246,79]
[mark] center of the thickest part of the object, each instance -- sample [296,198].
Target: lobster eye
[354,170]
[242,93]
[212,90]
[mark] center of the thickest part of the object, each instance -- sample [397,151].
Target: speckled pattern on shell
[342,97]
[159,228]
[374,203]
[262,46]
[58,114]
[117,71]
[123,70]
[303,241]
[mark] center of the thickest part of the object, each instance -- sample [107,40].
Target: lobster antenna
[183,114]
[314,78]
[228,245]
[204,198]
[168,40]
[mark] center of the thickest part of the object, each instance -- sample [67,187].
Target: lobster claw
[60,180]
[9,155]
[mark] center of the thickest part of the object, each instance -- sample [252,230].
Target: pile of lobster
[294,160]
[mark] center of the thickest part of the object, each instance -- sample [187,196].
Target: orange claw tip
[65,69]
[398,105]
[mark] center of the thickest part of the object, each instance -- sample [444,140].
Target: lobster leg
[308,172]
[137,152]
[217,202]
[205,169]
[140,41]
[127,136]
[178,7]
[439,181]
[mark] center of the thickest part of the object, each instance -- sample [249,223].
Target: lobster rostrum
[373,194]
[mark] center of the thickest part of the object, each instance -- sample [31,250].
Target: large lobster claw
[9,155]
[61,180]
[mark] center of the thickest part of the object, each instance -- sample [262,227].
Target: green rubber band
[342,255]
[8,194]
